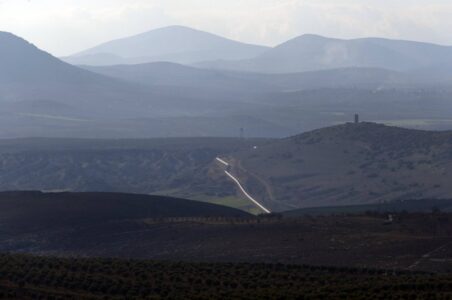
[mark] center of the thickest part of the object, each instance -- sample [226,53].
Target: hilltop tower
[242,133]
[356,118]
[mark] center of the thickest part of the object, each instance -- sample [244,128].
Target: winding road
[237,182]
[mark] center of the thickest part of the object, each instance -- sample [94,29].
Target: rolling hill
[348,164]
[173,167]
[32,81]
[171,44]
[41,96]
[170,74]
[343,165]
[25,210]
[45,97]
[32,78]
[177,75]
[60,223]
[313,52]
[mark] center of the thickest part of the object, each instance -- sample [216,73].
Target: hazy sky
[63,27]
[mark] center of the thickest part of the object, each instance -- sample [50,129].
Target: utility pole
[242,133]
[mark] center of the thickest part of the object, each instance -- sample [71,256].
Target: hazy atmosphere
[194,149]
[68,26]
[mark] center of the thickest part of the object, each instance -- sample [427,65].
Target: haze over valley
[45,97]
[271,150]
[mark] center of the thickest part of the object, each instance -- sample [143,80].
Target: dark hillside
[56,210]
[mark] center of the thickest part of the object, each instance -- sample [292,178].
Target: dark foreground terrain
[159,228]
[28,277]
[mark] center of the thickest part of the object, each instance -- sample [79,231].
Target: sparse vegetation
[182,168]
[372,158]
[28,277]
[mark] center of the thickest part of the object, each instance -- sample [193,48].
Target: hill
[34,83]
[279,105]
[25,210]
[171,44]
[45,97]
[169,74]
[41,96]
[312,52]
[177,75]
[348,164]
[173,167]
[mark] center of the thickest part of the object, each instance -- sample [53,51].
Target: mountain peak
[5,34]
[178,44]
[22,62]
[177,27]
[309,39]
[8,39]
[311,36]
[14,46]
[172,29]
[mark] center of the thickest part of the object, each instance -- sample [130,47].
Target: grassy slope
[179,167]
[351,164]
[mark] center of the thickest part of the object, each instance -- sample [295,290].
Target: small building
[389,220]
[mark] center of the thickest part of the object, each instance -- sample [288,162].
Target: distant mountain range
[170,74]
[41,95]
[172,44]
[177,75]
[312,52]
[32,82]
[308,52]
